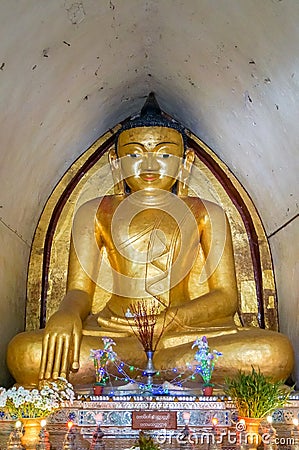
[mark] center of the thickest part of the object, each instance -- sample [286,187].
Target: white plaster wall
[13,261]
[284,245]
[69,70]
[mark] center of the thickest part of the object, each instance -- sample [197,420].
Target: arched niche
[90,176]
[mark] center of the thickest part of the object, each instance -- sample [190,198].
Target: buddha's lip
[149,176]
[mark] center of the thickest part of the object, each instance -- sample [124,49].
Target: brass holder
[97,439]
[271,445]
[214,443]
[295,436]
[185,437]
[44,440]
[150,370]
[69,442]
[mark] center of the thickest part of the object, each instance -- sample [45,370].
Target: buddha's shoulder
[202,205]
[107,202]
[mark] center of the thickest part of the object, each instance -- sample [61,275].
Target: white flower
[3,397]
[23,402]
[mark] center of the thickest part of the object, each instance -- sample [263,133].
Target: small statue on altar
[154,235]
[14,441]
[97,442]
[44,440]
[70,438]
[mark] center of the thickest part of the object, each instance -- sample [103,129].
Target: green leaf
[256,395]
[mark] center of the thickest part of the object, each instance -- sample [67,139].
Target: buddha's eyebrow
[166,142]
[135,143]
[142,145]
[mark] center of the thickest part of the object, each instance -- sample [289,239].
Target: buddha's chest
[148,234]
[152,235]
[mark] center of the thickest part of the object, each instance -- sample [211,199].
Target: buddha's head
[152,150]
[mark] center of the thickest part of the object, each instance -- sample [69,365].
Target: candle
[70,425]
[43,423]
[18,424]
[242,422]
[215,421]
[269,419]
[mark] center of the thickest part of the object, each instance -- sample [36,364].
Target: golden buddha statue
[154,236]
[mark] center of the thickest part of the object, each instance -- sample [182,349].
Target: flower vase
[150,370]
[207,391]
[32,428]
[252,426]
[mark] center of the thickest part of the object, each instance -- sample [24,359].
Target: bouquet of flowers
[101,357]
[24,403]
[206,359]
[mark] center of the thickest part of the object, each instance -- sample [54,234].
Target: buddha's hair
[152,116]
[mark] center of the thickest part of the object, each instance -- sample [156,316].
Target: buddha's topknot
[152,116]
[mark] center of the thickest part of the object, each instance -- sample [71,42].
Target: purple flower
[101,357]
[206,358]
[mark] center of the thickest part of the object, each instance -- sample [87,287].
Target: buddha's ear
[185,172]
[189,159]
[119,186]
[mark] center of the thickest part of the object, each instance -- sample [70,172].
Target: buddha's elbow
[228,302]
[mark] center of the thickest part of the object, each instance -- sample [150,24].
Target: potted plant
[145,442]
[255,396]
[100,358]
[206,360]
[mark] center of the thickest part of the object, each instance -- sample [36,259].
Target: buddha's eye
[133,155]
[165,155]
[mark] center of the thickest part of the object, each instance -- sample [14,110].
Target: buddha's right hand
[61,345]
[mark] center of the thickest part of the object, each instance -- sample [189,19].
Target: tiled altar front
[117,418]
[118,412]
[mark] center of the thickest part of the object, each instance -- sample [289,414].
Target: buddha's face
[151,157]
